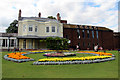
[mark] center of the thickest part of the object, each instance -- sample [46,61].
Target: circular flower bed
[59,54]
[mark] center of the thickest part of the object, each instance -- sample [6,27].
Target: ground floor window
[12,42]
[24,44]
[3,43]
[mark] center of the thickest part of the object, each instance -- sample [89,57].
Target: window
[24,28]
[47,29]
[97,34]
[30,28]
[78,33]
[3,44]
[83,33]
[92,34]
[53,29]
[35,28]
[88,33]
[12,42]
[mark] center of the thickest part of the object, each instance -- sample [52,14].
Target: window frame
[47,29]
[53,29]
[36,29]
[30,28]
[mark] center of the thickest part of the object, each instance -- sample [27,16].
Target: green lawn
[27,70]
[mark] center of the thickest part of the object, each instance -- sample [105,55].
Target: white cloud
[74,11]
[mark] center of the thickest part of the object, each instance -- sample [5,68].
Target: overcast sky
[84,12]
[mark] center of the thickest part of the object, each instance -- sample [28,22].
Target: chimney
[19,16]
[58,17]
[39,15]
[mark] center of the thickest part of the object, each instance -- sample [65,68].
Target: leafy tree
[57,43]
[13,28]
[51,17]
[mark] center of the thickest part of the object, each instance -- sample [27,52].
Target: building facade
[33,29]
[86,36]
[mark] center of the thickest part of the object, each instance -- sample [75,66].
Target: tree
[57,43]
[51,17]
[13,28]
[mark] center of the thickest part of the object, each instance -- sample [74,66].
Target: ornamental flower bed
[17,57]
[59,54]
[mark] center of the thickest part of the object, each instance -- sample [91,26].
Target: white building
[8,41]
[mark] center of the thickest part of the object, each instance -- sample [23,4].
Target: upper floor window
[53,29]
[92,34]
[88,33]
[78,33]
[24,27]
[83,33]
[30,28]
[47,29]
[35,28]
[97,34]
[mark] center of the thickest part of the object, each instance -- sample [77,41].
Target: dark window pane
[53,29]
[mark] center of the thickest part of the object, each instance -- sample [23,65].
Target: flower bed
[74,58]
[96,53]
[59,54]
[43,51]
[17,57]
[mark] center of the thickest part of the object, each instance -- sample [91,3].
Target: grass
[27,70]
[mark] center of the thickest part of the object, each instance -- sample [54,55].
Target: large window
[3,43]
[12,42]
[78,33]
[83,33]
[30,28]
[47,29]
[53,29]
[35,28]
[97,34]
[24,27]
[92,34]
[88,35]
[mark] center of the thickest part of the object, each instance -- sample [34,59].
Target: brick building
[88,36]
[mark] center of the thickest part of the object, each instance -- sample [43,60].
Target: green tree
[57,43]
[13,28]
[51,17]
